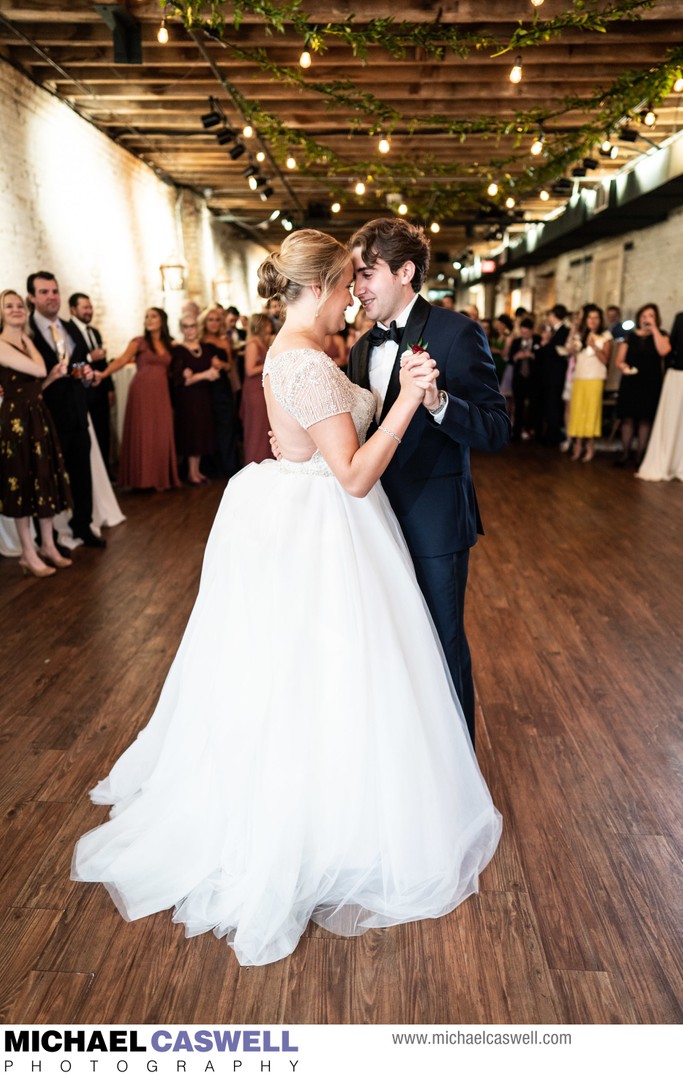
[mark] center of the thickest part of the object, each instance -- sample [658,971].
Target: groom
[428,481]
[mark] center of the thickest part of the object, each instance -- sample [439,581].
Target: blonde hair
[3,296]
[201,320]
[306,257]
[258,323]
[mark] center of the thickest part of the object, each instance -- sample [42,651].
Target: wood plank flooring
[575,613]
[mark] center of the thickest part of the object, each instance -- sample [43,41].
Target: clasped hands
[419,373]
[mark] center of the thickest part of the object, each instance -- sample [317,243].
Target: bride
[329,776]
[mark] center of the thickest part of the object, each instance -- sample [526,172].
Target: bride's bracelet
[389,433]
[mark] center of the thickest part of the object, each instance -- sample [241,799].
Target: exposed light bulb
[650,117]
[492,190]
[516,72]
[248,131]
[162,33]
[286,224]
[606,146]
[336,207]
[384,145]
[260,156]
[457,265]
[435,227]
[678,85]
[537,3]
[544,196]
[510,202]
[305,59]
[402,209]
[291,162]
[253,182]
[360,187]
[537,145]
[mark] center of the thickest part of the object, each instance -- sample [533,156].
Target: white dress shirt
[87,334]
[382,359]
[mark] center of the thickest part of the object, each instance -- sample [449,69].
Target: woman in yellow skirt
[593,346]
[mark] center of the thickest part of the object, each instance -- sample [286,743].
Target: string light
[510,202]
[537,144]
[537,3]
[402,209]
[360,187]
[678,84]
[492,190]
[384,145]
[248,131]
[516,72]
[305,59]
[291,162]
[544,196]
[649,116]
[260,156]
[162,33]
[435,227]
[336,207]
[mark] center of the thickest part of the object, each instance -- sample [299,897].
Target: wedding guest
[148,454]
[640,358]
[273,309]
[614,324]
[552,357]
[101,397]
[191,309]
[33,482]
[225,389]
[501,331]
[253,409]
[592,346]
[664,455]
[66,397]
[335,347]
[193,371]
[525,381]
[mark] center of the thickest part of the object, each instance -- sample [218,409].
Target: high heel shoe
[56,560]
[40,573]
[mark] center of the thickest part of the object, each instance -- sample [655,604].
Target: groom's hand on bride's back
[274,445]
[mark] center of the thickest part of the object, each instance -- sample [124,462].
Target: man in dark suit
[428,481]
[59,342]
[551,359]
[100,396]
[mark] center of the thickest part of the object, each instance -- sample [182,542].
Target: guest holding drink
[592,344]
[253,410]
[148,453]
[33,481]
[641,360]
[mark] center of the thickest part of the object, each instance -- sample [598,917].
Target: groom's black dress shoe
[88,538]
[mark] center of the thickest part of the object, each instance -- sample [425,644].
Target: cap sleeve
[309,386]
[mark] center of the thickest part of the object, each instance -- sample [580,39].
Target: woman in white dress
[664,456]
[330,775]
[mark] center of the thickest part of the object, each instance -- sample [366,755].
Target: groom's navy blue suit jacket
[428,481]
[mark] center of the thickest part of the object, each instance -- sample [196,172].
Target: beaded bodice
[309,386]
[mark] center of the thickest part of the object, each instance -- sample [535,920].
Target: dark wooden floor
[575,614]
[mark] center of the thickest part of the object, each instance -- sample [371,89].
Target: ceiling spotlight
[225,136]
[628,134]
[537,145]
[251,170]
[212,118]
[162,33]
[649,116]
[253,183]
[579,171]
[360,187]
[590,163]
[457,265]
[384,145]
[305,59]
[237,151]
[492,190]
[562,185]
[435,227]
[516,72]
[266,193]
[543,195]
[274,215]
[336,207]
[510,203]
[678,84]
[287,223]
[248,131]
[291,162]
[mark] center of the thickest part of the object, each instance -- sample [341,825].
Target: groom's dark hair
[395,242]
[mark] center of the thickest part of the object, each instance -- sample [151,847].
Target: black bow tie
[378,336]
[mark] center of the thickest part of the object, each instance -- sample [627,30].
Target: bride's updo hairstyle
[306,257]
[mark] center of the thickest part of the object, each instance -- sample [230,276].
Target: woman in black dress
[33,481]
[192,373]
[641,360]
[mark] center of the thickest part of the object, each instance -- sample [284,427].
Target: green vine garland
[608,107]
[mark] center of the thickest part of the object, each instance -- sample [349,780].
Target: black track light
[225,135]
[266,193]
[211,119]
[562,185]
[252,170]
[579,171]
[628,134]
[237,151]
[589,163]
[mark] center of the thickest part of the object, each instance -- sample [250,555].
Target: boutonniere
[420,348]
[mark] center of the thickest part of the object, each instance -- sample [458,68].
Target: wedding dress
[308,758]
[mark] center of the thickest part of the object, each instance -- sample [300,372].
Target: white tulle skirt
[308,758]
